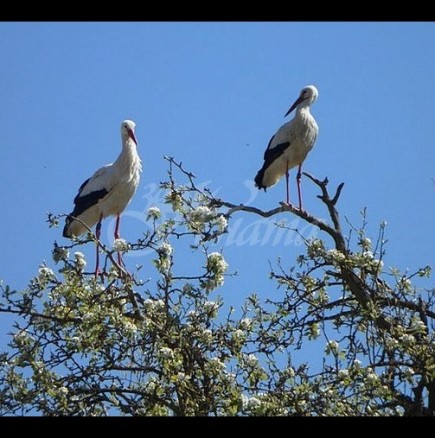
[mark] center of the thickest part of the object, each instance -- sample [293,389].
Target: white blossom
[151,385]
[329,392]
[75,340]
[253,402]
[378,264]
[46,273]
[425,272]
[250,403]
[314,330]
[337,257]
[206,336]
[238,335]
[399,410]
[302,403]
[163,263]
[38,367]
[211,306]
[63,390]
[221,222]
[366,243]
[245,323]
[368,255]
[244,401]
[366,259]
[165,249]
[315,248]
[130,327]
[331,347]
[80,260]
[342,374]
[201,214]
[192,314]
[148,304]
[216,265]
[114,273]
[357,364]
[372,377]
[159,304]
[60,253]
[121,245]
[167,352]
[229,378]
[391,343]
[405,283]
[418,325]
[21,337]
[251,360]
[216,364]
[407,340]
[153,213]
[289,372]
[181,377]
[153,305]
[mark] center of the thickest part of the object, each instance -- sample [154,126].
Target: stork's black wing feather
[270,155]
[268,146]
[82,203]
[76,199]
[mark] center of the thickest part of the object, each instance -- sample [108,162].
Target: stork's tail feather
[66,229]
[259,179]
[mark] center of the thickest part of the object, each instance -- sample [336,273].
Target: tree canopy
[120,344]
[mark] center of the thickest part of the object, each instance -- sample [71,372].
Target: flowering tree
[118,344]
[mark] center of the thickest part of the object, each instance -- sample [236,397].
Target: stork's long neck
[128,159]
[304,107]
[305,124]
[303,113]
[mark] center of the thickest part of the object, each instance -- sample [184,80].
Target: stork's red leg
[287,185]
[118,218]
[97,235]
[298,181]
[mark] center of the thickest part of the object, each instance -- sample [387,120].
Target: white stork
[290,145]
[107,192]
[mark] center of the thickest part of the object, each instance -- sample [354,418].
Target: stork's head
[306,98]
[127,130]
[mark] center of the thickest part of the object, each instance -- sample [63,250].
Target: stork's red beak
[297,102]
[131,135]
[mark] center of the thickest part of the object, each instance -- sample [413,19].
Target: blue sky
[211,95]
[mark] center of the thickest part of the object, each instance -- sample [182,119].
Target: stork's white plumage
[290,145]
[108,191]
